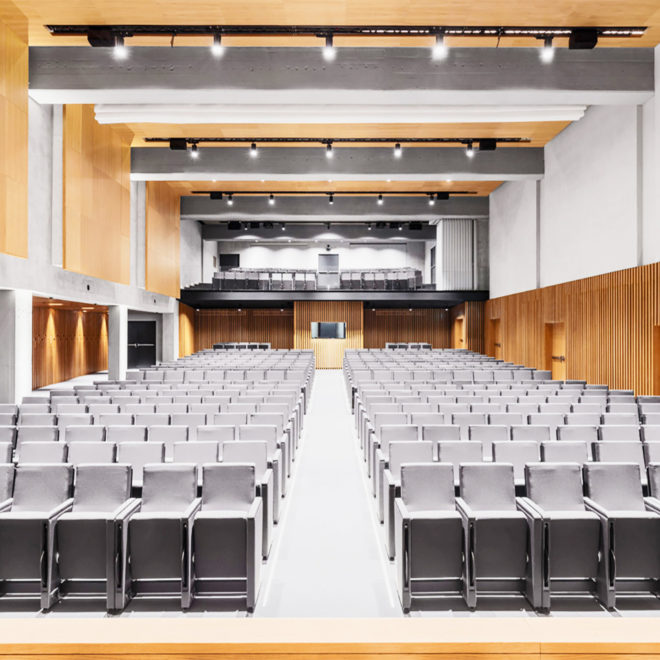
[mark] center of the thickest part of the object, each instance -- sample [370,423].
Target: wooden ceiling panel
[347,12]
[70,305]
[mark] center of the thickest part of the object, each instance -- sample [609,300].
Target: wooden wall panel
[13,131]
[329,352]
[257,325]
[402,325]
[466,322]
[97,214]
[66,344]
[187,323]
[609,320]
[163,236]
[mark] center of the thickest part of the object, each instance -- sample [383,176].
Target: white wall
[305,255]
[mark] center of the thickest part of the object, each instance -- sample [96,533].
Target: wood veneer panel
[67,343]
[253,325]
[609,321]
[13,131]
[472,331]
[403,325]
[186,330]
[97,214]
[329,353]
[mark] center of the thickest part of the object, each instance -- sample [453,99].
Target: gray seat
[567,451]
[277,449]
[114,419]
[495,530]
[6,483]
[621,452]
[37,419]
[41,496]
[227,532]
[517,454]
[91,452]
[588,434]
[630,528]
[43,452]
[119,434]
[615,433]
[6,453]
[86,537]
[536,434]
[197,453]
[651,452]
[215,433]
[389,433]
[459,452]
[35,434]
[654,482]
[75,434]
[651,433]
[441,433]
[570,537]
[583,419]
[168,436]
[8,435]
[487,435]
[620,419]
[428,532]
[138,454]
[160,534]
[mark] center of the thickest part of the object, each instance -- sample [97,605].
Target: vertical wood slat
[329,353]
[67,344]
[473,314]
[402,325]
[610,322]
[187,324]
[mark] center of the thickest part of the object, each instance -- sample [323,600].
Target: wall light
[329,51]
[217,48]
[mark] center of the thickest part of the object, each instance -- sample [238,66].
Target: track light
[215,194]
[400,227]
[246,226]
[369,227]
[431,200]
[120,51]
[230,199]
[380,199]
[217,48]
[329,51]
[440,50]
[271,199]
[469,150]
[328,150]
[548,51]
[254,152]
[397,150]
[331,199]
[283,227]
[194,151]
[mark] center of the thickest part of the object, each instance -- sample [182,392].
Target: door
[555,350]
[496,339]
[458,333]
[141,344]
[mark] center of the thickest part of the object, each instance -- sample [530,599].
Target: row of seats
[241,346]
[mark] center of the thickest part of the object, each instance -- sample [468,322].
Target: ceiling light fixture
[120,52]
[283,227]
[440,50]
[469,150]
[328,150]
[254,152]
[230,199]
[331,199]
[217,48]
[548,51]
[397,150]
[431,200]
[369,227]
[329,50]
[194,151]
[271,199]
[380,199]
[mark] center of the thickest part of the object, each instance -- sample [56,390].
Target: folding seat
[87,538]
[630,529]
[138,454]
[388,434]
[611,433]
[256,453]
[651,419]
[42,452]
[621,452]
[654,484]
[536,434]
[506,419]
[588,434]
[465,420]
[453,408]
[487,435]
[206,408]
[284,434]
[487,407]
[197,453]
[191,420]
[645,408]
[568,451]
[153,376]
[66,420]
[119,434]
[6,484]
[651,433]
[170,408]
[34,409]
[6,452]
[427,531]
[35,434]
[440,433]
[217,434]
[372,439]
[400,453]
[42,400]
[553,420]
[459,452]
[27,530]
[92,433]
[495,530]
[523,408]
[91,452]
[421,408]
[37,419]
[540,400]
[113,419]
[97,409]
[247,408]
[227,533]
[277,456]
[583,418]
[427,419]
[623,408]
[69,408]
[561,408]
[9,409]
[8,435]
[185,398]
[620,419]
[651,452]
[517,454]
[137,408]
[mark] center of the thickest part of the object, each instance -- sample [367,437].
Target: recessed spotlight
[380,199]
[120,52]
[400,227]
[397,150]
[431,200]
[548,51]
[329,51]
[469,150]
[331,199]
[254,152]
[448,180]
[440,50]
[283,227]
[328,150]
[389,181]
[230,199]
[217,48]
[271,199]
[194,151]
[369,227]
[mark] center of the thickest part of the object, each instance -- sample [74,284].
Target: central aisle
[328,559]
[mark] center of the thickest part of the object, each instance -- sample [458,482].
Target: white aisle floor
[328,559]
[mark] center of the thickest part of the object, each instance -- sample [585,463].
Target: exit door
[555,350]
[458,332]
[141,344]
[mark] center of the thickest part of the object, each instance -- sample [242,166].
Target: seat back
[536,434]
[615,485]
[228,487]
[255,452]
[91,452]
[168,486]
[42,452]
[41,487]
[580,433]
[408,452]
[518,454]
[121,434]
[6,481]
[216,433]
[555,487]
[441,433]
[195,452]
[85,434]
[488,486]
[654,480]
[567,451]
[428,487]
[619,433]
[397,433]
[101,487]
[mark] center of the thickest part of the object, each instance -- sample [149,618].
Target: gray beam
[364,75]
[345,209]
[348,163]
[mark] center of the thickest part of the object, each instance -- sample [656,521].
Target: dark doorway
[229,261]
[141,344]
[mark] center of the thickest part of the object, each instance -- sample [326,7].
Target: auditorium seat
[43,452]
[456,453]
[91,452]
[197,453]
[138,454]
[621,452]
[567,451]
[121,433]
[75,434]
[168,435]
[611,433]
[588,434]
[6,483]
[488,434]
[215,433]
[517,454]
[536,434]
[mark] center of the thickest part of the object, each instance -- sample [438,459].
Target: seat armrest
[402,508]
[652,504]
[59,510]
[380,456]
[193,508]
[132,506]
[127,504]
[389,478]
[254,508]
[466,511]
[596,508]
[6,505]
[529,508]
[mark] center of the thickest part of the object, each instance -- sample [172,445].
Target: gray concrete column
[117,341]
[16,342]
[170,348]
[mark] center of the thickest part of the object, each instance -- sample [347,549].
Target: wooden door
[496,339]
[555,350]
[458,333]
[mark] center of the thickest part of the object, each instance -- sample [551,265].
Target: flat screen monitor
[328,263]
[328,330]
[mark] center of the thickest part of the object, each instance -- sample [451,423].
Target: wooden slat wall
[97,214]
[186,330]
[609,320]
[329,352]
[163,235]
[66,344]
[257,325]
[13,131]
[402,325]
[473,314]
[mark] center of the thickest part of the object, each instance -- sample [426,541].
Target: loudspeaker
[583,39]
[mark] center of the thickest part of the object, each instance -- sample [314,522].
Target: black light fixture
[178,144]
[217,48]
[331,199]
[267,225]
[431,199]
[215,194]
[329,51]
[254,225]
[120,52]
[328,150]
[230,199]
[585,38]
[397,150]
[380,199]
[283,227]
[246,226]
[233,225]
[271,199]
[369,227]
[254,152]
[469,150]
[440,50]
[442,196]
[194,151]
[548,51]
[381,225]
[101,38]
[488,144]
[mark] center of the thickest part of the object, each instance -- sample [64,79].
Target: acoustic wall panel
[162,239]
[455,255]
[403,325]
[187,318]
